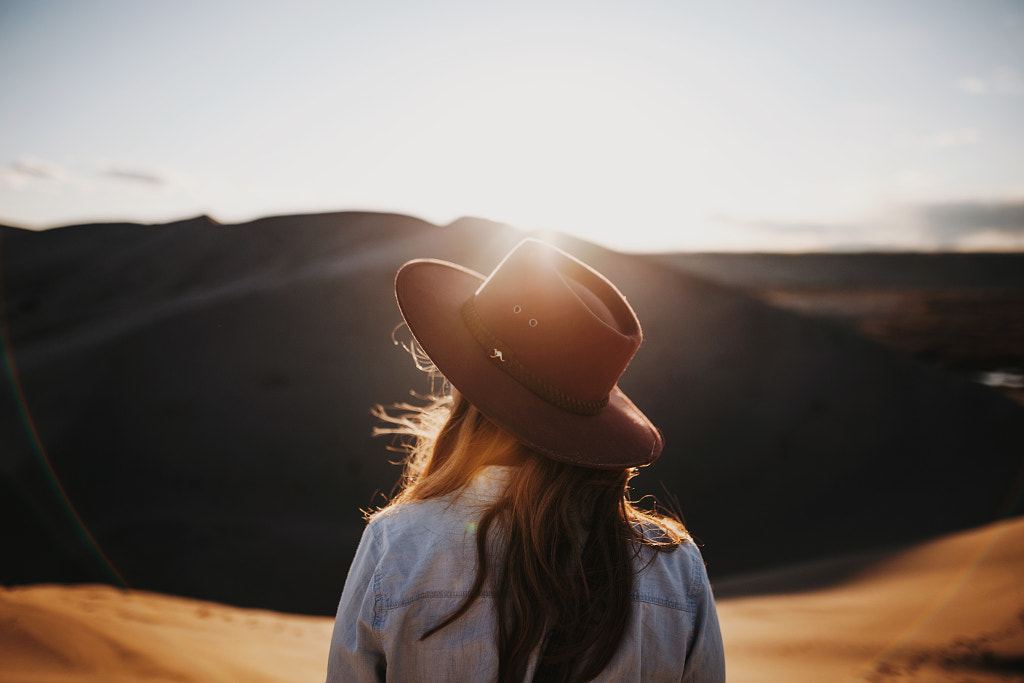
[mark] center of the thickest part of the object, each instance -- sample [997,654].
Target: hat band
[510,365]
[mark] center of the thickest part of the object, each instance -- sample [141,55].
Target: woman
[512,551]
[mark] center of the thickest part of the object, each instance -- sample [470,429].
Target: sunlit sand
[100,633]
[948,610]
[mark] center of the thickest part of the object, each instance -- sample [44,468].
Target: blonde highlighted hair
[570,538]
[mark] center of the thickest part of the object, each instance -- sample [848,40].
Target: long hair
[566,539]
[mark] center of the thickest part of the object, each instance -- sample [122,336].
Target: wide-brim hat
[538,347]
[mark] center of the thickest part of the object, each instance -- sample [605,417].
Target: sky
[799,125]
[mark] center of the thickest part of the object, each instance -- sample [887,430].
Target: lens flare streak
[25,415]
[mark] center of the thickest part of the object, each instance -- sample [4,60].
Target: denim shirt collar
[487,485]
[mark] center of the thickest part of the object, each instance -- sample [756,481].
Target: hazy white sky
[743,124]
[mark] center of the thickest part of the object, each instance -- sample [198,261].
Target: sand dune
[99,633]
[201,393]
[949,610]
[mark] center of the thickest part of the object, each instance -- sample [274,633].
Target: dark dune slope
[788,438]
[202,392]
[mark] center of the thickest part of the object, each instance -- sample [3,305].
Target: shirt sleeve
[705,662]
[356,653]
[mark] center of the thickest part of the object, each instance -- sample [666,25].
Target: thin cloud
[952,222]
[31,173]
[27,170]
[134,176]
[38,168]
[953,225]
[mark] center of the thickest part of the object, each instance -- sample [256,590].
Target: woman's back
[417,563]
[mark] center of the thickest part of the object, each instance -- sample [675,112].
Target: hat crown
[561,320]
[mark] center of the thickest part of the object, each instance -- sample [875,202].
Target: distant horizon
[852,250]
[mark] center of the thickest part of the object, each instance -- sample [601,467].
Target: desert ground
[949,610]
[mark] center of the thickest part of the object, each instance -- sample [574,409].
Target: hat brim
[430,296]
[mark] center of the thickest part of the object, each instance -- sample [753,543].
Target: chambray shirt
[416,562]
